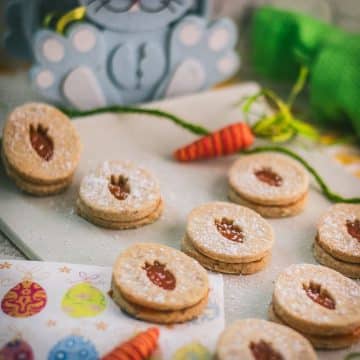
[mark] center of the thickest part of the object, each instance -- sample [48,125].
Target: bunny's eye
[118,6]
[154,5]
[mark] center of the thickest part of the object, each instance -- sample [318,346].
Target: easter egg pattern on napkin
[83,300]
[92,326]
[25,299]
[17,349]
[73,348]
[194,351]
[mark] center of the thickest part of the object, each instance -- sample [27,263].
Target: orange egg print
[25,299]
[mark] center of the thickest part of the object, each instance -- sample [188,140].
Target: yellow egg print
[84,300]
[194,351]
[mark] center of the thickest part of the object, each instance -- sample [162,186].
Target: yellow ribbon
[76,14]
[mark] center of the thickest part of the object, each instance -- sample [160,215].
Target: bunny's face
[135,15]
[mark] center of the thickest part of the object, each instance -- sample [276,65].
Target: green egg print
[83,300]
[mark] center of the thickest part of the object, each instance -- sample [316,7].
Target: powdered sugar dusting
[201,229]
[18,148]
[289,295]
[243,179]
[333,232]
[144,189]
[191,278]
[234,342]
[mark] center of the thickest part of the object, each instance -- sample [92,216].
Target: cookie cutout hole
[319,295]
[160,276]
[41,142]
[264,351]
[119,186]
[268,176]
[353,228]
[229,230]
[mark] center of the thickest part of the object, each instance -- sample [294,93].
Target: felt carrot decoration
[225,141]
[141,347]
[278,126]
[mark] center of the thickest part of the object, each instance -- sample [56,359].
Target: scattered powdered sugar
[295,180]
[201,229]
[235,342]
[289,294]
[66,142]
[191,278]
[144,189]
[333,232]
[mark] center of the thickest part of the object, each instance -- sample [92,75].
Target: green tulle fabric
[283,42]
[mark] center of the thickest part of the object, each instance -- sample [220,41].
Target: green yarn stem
[353,356]
[194,128]
[329,194]
[199,130]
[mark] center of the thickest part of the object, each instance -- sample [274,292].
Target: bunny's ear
[203,7]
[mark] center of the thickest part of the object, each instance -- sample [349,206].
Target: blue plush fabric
[124,52]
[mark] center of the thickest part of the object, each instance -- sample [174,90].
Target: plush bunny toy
[123,51]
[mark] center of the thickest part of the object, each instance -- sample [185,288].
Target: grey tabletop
[7,250]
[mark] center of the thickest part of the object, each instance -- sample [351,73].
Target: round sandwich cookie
[159,284]
[272,184]
[337,244]
[40,149]
[119,195]
[324,258]
[320,303]
[251,339]
[228,238]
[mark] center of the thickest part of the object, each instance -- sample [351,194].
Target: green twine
[199,130]
[193,128]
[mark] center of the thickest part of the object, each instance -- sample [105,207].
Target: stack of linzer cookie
[40,149]
[338,239]
[228,238]
[159,284]
[272,184]
[119,195]
[319,303]
[311,304]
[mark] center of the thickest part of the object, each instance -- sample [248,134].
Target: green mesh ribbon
[283,42]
